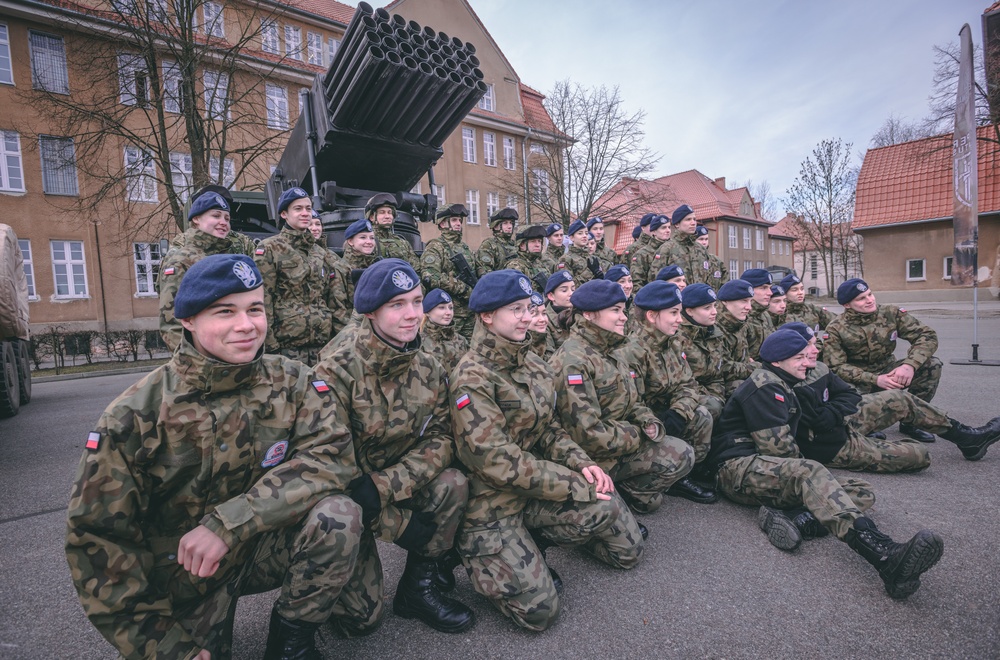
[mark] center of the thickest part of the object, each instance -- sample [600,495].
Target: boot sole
[981,450]
[781,532]
[403,612]
[924,552]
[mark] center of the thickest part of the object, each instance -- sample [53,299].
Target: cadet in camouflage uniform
[623,276]
[381,212]
[862,341]
[554,248]
[558,291]
[640,242]
[600,406]
[605,255]
[305,306]
[359,253]
[441,271]
[499,248]
[754,446]
[701,344]
[758,324]
[396,397]
[719,274]
[530,258]
[316,229]
[211,478]
[438,336]
[531,485]
[542,343]
[796,309]
[578,260]
[776,306]
[644,258]
[736,297]
[685,250]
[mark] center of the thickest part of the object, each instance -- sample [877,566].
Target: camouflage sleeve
[169,282]
[336,293]
[835,357]
[487,451]
[923,340]
[768,412]
[485,260]
[264,258]
[825,317]
[242,244]
[437,273]
[682,386]
[736,364]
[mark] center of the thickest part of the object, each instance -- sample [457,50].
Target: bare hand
[200,551]
[203,655]
[887,382]
[651,431]
[903,374]
[603,484]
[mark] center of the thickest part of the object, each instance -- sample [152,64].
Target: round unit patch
[402,281]
[275,454]
[523,281]
[243,271]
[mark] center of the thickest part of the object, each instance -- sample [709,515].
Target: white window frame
[214,25]
[332,46]
[438,191]
[509,156]
[140,176]
[492,203]
[773,248]
[746,238]
[172,99]
[270,42]
[540,186]
[747,265]
[10,159]
[946,267]
[58,162]
[314,48]
[468,144]
[813,267]
[732,236]
[734,267]
[6,64]
[130,66]
[146,266]
[182,174]
[29,267]
[472,203]
[158,11]
[489,149]
[277,106]
[293,42]
[216,95]
[512,202]
[73,270]
[923,270]
[760,264]
[228,175]
[760,240]
[417,188]
[536,148]
[48,62]
[488,102]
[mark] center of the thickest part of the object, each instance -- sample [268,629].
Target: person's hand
[903,374]
[888,382]
[203,655]
[651,431]
[603,484]
[200,551]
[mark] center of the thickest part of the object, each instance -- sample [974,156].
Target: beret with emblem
[556,279]
[799,327]
[781,345]
[657,222]
[617,272]
[595,295]
[356,228]
[499,288]
[536,299]
[658,295]
[736,290]
[668,273]
[504,214]
[777,290]
[646,219]
[788,281]
[680,213]
[636,232]
[594,221]
[383,281]
[701,230]
[851,289]
[455,210]
[531,231]
[698,295]
[756,277]
[214,277]
[434,298]
[553,228]
[575,226]
[290,196]
[207,202]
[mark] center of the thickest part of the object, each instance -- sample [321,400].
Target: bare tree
[822,197]
[896,130]
[166,94]
[762,195]
[941,102]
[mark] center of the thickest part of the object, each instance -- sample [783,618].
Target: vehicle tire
[24,371]
[10,393]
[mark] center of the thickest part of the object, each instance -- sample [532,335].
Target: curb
[92,374]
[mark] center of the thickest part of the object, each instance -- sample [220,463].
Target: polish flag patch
[684,355]
[259,251]
[168,271]
[462,401]
[333,276]
[93,441]
[575,379]
[632,374]
[780,397]
[321,386]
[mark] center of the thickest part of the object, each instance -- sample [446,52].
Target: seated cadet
[532,486]
[359,253]
[862,341]
[623,276]
[541,341]
[758,324]
[438,336]
[673,274]
[605,255]
[599,402]
[836,420]
[530,258]
[558,290]
[316,229]
[499,248]
[759,463]
[736,297]
[579,260]
[217,475]
[647,260]
[797,309]
[701,344]
[776,305]
[666,383]
[396,396]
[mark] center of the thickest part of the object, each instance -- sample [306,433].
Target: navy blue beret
[553,228]
[698,295]
[790,280]
[658,295]
[434,298]
[593,221]
[536,299]
[680,213]
[701,230]
[498,288]
[575,226]
[356,228]
[637,232]
[383,281]
[214,277]
[756,277]
[799,327]
[781,345]
[657,222]
[315,214]
[646,219]
[736,290]
[290,196]
[617,272]
[595,295]
[207,202]
[670,272]
[556,279]
[777,291]
[851,289]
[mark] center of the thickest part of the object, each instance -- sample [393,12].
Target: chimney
[721,182]
[756,209]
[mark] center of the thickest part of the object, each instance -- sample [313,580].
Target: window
[216,95]
[772,246]
[747,265]
[180,174]
[813,267]
[69,269]
[492,203]
[732,237]
[540,189]
[48,63]
[438,191]
[293,42]
[11,172]
[536,148]
[332,46]
[140,175]
[489,149]
[508,153]
[760,264]
[228,174]
[488,100]
[760,240]
[277,106]
[58,166]
[171,86]
[269,37]
[213,19]
[6,70]
[734,268]
[133,80]
[916,270]
[157,11]
[147,266]
[946,269]
[29,267]
[416,189]
[472,202]
[512,202]
[314,48]
[469,145]
[746,238]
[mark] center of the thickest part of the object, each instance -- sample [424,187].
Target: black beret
[595,295]
[455,210]
[531,231]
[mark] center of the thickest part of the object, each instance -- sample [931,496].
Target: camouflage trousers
[925,379]
[507,567]
[310,562]
[864,454]
[644,475]
[360,608]
[308,355]
[787,483]
[880,410]
[713,405]
[698,433]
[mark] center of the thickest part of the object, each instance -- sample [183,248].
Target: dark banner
[966,172]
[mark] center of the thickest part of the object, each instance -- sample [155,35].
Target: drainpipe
[524,167]
[100,277]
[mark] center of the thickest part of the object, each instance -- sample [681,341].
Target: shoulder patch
[168,271]
[684,355]
[333,275]
[275,454]
[631,373]
[259,251]
[462,401]
[902,310]
[575,379]
[93,441]
[779,397]
[320,386]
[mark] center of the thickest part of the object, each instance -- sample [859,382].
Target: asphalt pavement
[710,584]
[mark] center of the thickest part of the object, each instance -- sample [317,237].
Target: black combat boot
[878,435]
[899,564]
[688,489]
[444,579]
[780,530]
[973,442]
[806,523]
[544,544]
[290,640]
[915,433]
[417,597]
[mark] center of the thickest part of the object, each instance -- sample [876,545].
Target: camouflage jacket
[389,245]
[187,249]
[641,261]
[304,305]
[698,264]
[532,264]
[344,269]
[559,323]
[438,270]
[814,316]
[719,272]
[509,438]
[494,252]
[625,258]
[665,379]
[704,350]
[605,255]
[860,346]
[737,365]
[242,449]
[576,261]
[555,253]
[597,395]
[397,403]
[758,326]
[542,344]
[444,343]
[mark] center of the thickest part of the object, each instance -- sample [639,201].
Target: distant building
[810,264]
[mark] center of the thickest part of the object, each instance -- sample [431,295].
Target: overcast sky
[740,89]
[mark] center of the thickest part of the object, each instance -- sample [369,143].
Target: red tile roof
[912,181]
[329,9]
[708,199]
